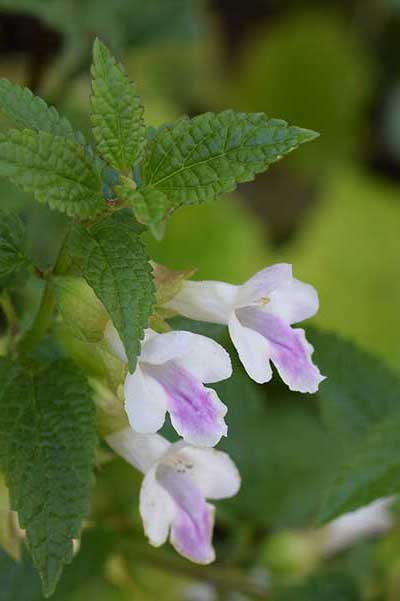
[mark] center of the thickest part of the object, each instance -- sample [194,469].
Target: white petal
[294,302]
[145,402]
[201,356]
[114,342]
[140,450]
[253,350]
[205,301]
[214,472]
[156,508]
[263,283]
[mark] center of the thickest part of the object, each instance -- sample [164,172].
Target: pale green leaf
[31,112]
[12,243]
[149,205]
[117,112]
[47,448]
[56,170]
[113,260]
[197,159]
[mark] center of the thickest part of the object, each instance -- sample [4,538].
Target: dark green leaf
[198,159]
[371,471]
[117,112]
[12,244]
[113,260]
[57,171]
[47,446]
[19,581]
[360,388]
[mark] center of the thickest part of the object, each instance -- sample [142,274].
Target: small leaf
[55,169]
[372,470]
[19,581]
[117,112]
[149,205]
[198,159]
[32,112]
[113,260]
[47,449]
[12,243]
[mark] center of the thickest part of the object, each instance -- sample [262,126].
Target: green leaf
[117,112]
[32,112]
[55,169]
[47,447]
[149,205]
[360,388]
[198,159]
[372,471]
[19,581]
[12,243]
[113,260]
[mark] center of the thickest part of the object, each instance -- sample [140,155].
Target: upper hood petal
[263,283]
[140,450]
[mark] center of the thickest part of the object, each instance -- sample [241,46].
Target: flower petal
[253,350]
[196,412]
[294,302]
[192,526]
[289,350]
[204,358]
[157,509]
[140,450]
[263,283]
[205,301]
[145,402]
[114,342]
[213,472]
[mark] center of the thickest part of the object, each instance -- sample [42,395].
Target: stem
[224,579]
[45,312]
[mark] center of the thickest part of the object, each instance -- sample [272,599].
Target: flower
[178,480]
[259,315]
[171,370]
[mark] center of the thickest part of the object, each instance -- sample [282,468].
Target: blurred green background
[332,209]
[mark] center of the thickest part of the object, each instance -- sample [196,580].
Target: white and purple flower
[178,480]
[170,374]
[259,315]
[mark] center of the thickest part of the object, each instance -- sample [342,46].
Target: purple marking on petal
[192,527]
[290,351]
[196,412]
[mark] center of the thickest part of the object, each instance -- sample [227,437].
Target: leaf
[32,112]
[336,585]
[149,205]
[55,169]
[19,581]
[12,243]
[113,260]
[47,447]
[360,388]
[198,159]
[117,112]
[372,471]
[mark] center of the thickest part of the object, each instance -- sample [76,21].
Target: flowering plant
[126,351]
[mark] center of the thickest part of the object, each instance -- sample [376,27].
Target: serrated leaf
[372,470]
[56,170]
[360,388]
[31,112]
[117,112]
[12,244]
[198,159]
[47,448]
[113,260]
[149,205]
